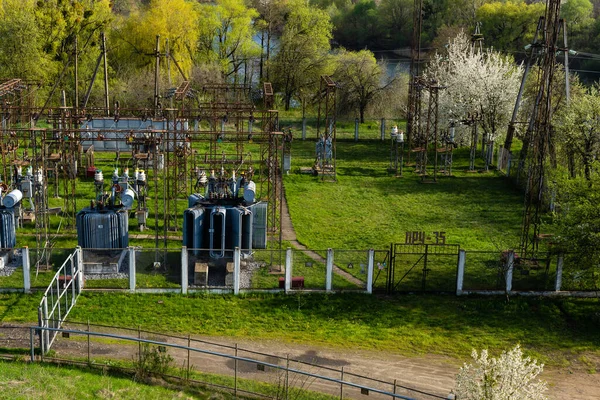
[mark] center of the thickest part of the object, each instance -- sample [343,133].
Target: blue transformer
[221,228]
[103,229]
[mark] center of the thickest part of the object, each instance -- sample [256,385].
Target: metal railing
[59,298]
[332,381]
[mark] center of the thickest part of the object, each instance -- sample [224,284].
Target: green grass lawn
[42,381]
[552,329]
[108,380]
[368,207]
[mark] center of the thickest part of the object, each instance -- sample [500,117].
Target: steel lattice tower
[538,135]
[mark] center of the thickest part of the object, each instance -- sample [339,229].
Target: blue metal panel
[193,199]
[198,227]
[193,228]
[234,225]
[217,232]
[259,225]
[8,237]
[247,220]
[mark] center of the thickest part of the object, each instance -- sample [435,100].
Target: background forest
[364,44]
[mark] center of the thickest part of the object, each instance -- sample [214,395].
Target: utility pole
[156,74]
[412,123]
[106,99]
[76,55]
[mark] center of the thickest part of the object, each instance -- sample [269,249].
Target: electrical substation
[203,165]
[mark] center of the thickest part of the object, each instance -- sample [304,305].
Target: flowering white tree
[509,377]
[482,83]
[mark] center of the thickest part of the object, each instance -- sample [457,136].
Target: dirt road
[416,377]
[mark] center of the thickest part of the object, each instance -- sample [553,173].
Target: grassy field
[554,330]
[368,207]
[114,379]
[43,381]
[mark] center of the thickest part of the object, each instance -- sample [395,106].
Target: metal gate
[60,298]
[381,262]
[422,267]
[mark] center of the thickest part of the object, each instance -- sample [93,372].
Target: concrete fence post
[132,269]
[510,263]
[382,128]
[288,270]
[559,270]
[370,264]
[329,276]
[236,270]
[184,270]
[304,128]
[26,269]
[460,271]
[356,129]
[45,333]
[80,268]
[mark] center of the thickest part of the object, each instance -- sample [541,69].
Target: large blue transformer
[225,216]
[106,228]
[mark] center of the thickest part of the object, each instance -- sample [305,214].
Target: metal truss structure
[538,138]
[221,131]
[424,125]
[325,160]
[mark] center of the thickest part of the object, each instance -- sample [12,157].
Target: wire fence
[346,128]
[184,270]
[231,367]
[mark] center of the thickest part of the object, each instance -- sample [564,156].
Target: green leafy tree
[61,20]
[463,13]
[21,54]
[577,223]
[225,35]
[360,79]
[270,23]
[134,39]
[37,38]
[396,18]
[578,15]
[358,26]
[577,12]
[302,56]
[579,128]
[510,25]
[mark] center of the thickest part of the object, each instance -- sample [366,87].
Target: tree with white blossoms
[476,83]
[509,377]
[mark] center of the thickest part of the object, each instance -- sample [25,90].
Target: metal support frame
[422,138]
[24,144]
[325,162]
